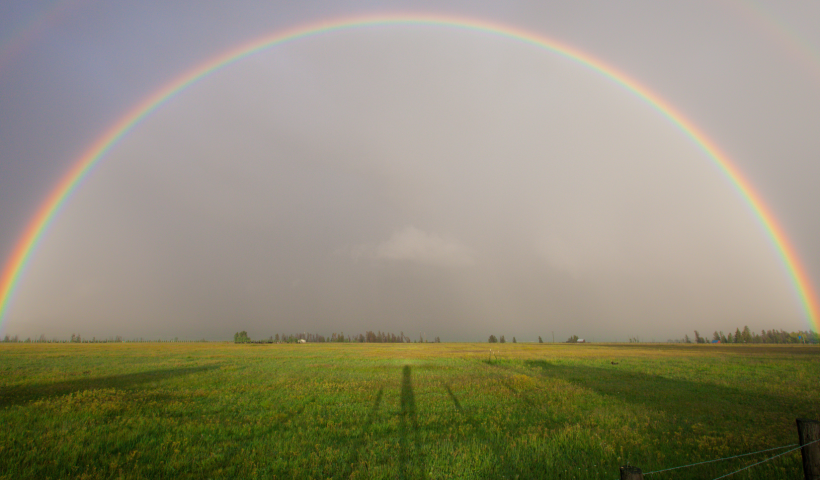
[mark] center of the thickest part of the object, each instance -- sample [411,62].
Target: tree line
[77,338]
[748,336]
[739,336]
[367,337]
[494,339]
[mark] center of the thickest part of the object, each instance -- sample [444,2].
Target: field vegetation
[420,410]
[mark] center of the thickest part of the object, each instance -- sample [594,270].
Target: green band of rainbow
[16,263]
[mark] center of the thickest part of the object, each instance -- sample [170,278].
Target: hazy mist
[417,179]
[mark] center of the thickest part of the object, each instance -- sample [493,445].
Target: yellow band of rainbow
[16,263]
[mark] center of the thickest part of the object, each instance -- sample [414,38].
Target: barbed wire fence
[808,432]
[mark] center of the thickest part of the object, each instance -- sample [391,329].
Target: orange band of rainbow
[16,264]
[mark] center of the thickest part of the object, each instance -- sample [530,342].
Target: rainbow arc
[16,263]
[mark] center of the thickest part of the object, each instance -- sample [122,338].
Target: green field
[217,410]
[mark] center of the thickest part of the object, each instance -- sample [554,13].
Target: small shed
[302,340]
[581,340]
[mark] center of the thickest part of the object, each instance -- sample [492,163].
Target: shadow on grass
[411,457]
[412,465]
[699,401]
[17,395]
[717,408]
[453,397]
[505,466]
[359,443]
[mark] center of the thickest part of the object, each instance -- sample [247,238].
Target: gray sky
[414,178]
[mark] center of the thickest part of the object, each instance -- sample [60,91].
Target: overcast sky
[410,178]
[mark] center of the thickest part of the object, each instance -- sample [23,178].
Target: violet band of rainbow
[16,264]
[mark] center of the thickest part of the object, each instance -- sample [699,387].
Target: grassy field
[211,410]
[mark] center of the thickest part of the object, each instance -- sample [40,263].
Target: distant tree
[746,335]
[573,339]
[493,339]
[723,337]
[686,339]
[698,339]
[438,340]
[772,336]
[514,340]
[716,336]
[502,339]
[539,339]
[241,337]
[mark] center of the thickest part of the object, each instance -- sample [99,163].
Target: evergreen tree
[502,339]
[539,339]
[514,340]
[493,339]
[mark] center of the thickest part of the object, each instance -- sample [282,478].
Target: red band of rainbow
[24,248]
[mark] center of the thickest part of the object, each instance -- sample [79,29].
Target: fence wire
[796,447]
[720,459]
[770,458]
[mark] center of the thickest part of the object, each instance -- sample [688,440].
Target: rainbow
[14,44]
[16,264]
[780,32]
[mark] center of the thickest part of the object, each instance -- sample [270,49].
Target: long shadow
[412,466]
[454,399]
[689,403]
[17,395]
[506,467]
[695,399]
[375,410]
[359,443]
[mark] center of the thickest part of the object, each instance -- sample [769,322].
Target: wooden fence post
[808,431]
[629,472]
